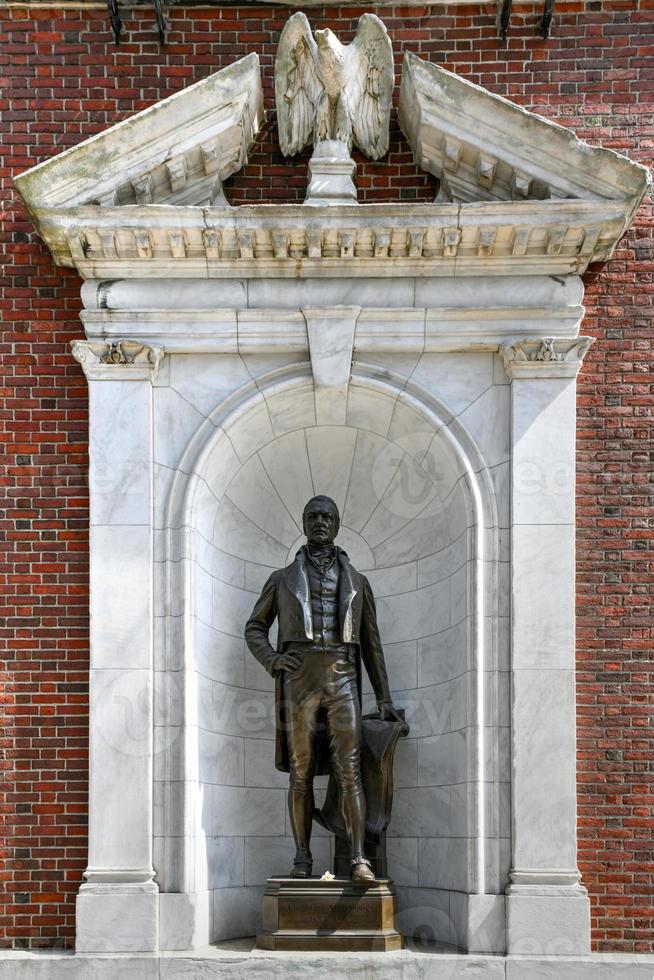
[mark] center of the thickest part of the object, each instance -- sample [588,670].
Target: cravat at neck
[322,557]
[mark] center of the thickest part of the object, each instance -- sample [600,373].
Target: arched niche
[419,518]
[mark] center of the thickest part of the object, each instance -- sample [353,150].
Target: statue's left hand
[388,712]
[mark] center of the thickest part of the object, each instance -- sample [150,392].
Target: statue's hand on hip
[286,661]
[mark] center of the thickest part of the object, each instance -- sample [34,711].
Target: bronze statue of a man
[327,625]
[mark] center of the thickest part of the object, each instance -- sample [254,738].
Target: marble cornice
[289,241]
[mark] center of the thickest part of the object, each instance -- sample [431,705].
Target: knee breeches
[324,689]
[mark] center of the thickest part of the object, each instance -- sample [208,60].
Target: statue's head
[321,520]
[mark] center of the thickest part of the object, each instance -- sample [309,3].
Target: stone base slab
[237,961]
[311,914]
[117,919]
[547,925]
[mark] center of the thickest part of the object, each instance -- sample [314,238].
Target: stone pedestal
[331,172]
[312,914]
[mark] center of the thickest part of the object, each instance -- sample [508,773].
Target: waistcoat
[323,586]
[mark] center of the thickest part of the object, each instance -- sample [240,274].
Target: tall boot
[353,807]
[300,809]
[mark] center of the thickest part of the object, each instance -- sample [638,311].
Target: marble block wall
[408,523]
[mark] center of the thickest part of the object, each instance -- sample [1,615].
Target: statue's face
[320,524]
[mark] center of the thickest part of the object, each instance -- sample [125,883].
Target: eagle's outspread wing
[370,77]
[297,85]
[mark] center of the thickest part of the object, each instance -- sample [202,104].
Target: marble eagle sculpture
[325,90]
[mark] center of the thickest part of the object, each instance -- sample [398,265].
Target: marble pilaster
[117,906]
[547,908]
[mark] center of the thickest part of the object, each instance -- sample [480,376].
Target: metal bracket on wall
[161,20]
[117,24]
[546,19]
[503,18]
[114,19]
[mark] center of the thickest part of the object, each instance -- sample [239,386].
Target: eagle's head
[326,40]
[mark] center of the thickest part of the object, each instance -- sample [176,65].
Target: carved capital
[547,357]
[121,360]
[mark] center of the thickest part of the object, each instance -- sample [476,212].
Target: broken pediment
[518,195]
[176,152]
[484,148]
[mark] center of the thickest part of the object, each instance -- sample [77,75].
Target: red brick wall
[64,79]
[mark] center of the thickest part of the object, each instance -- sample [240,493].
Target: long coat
[286,597]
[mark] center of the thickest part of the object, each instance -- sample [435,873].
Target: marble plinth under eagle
[325,90]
